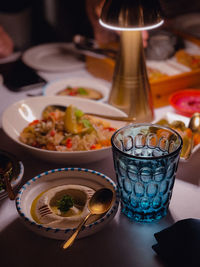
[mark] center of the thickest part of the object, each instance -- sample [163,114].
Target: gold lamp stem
[130,88]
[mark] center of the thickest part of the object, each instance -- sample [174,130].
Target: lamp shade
[131,14]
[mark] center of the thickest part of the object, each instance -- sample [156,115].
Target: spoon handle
[70,241]
[110,117]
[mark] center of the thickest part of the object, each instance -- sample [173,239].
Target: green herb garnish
[82,91]
[86,123]
[65,203]
[78,113]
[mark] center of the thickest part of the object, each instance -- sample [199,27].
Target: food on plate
[69,130]
[187,59]
[62,206]
[81,92]
[184,132]
[155,74]
[5,166]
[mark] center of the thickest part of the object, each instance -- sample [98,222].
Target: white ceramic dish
[52,88]
[18,115]
[64,176]
[53,57]
[170,117]
[18,170]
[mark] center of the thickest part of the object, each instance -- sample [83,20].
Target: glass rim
[147,158]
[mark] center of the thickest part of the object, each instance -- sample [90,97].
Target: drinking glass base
[144,217]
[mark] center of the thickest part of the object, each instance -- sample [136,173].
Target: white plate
[53,57]
[170,117]
[64,176]
[52,88]
[17,116]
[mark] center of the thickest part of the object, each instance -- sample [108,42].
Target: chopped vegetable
[82,91]
[69,143]
[67,130]
[86,123]
[70,120]
[65,203]
[185,133]
[34,122]
[79,113]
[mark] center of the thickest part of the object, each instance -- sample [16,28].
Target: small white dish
[52,88]
[170,117]
[64,176]
[54,57]
[18,171]
[17,116]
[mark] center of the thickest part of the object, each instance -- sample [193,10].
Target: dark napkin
[179,244]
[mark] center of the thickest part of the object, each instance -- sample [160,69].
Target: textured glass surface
[146,159]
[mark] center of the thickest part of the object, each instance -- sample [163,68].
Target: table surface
[121,243]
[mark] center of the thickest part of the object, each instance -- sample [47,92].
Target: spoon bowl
[99,203]
[194,123]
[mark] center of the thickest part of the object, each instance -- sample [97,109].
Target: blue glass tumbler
[146,158]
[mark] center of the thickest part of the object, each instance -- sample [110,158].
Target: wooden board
[161,88]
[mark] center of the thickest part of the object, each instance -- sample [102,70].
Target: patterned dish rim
[53,230]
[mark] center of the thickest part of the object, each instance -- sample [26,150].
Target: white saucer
[170,117]
[52,88]
[53,57]
[64,176]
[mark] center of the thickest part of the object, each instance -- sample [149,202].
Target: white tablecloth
[122,243]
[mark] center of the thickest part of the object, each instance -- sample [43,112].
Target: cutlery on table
[88,46]
[109,117]
[99,204]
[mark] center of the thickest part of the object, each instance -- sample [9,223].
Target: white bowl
[64,176]
[170,117]
[18,171]
[18,115]
[52,88]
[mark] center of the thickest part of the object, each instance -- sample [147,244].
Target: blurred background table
[121,243]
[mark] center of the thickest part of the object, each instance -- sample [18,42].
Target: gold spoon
[109,117]
[194,125]
[99,203]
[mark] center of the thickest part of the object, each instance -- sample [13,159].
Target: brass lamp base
[130,88]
